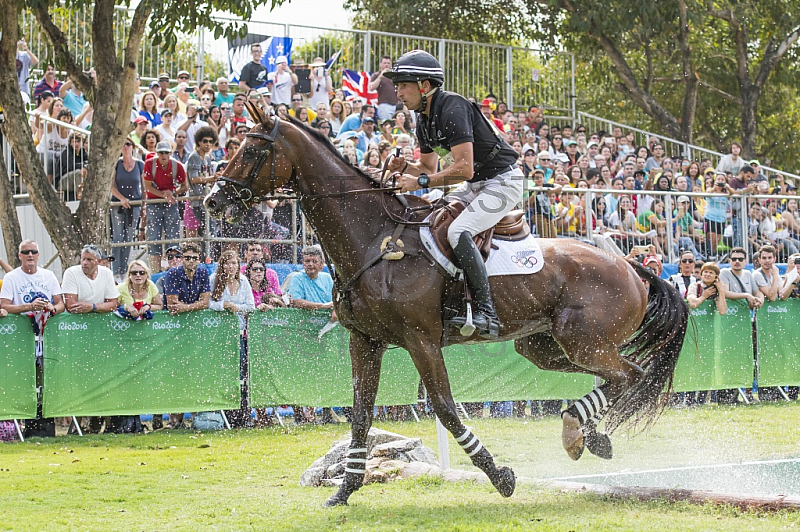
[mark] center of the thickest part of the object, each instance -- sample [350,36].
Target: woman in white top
[166,128]
[231,292]
[171,103]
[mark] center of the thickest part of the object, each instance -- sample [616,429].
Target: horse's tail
[654,347]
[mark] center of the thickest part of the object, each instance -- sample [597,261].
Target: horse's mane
[325,141]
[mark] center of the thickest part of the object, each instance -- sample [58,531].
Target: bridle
[238,192]
[242,192]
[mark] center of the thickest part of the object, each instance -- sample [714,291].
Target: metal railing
[709,241]
[672,147]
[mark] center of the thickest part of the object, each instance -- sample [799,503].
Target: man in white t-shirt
[283,81]
[89,287]
[684,278]
[34,292]
[321,84]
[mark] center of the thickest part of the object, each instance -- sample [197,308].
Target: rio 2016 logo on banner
[72,326]
[165,326]
[8,328]
[212,322]
[120,326]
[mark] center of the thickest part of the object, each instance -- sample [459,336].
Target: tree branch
[773,54]
[720,92]
[690,78]
[62,51]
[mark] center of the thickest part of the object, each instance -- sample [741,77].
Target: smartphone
[641,250]
[227,113]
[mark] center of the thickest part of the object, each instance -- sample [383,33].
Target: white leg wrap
[476,449]
[356,471]
[356,451]
[464,436]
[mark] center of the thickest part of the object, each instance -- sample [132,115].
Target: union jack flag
[356,83]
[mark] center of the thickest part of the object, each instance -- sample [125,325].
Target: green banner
[17,368]
[290,363]
[778,343]
[100,364]
[722,358]
[495,372]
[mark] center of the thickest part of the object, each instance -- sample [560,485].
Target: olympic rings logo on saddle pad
[212,322]
[8,328]
[120,326]
[525,259]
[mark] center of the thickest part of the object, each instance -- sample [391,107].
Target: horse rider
[484,165]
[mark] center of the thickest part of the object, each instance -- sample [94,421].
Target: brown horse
[585,311]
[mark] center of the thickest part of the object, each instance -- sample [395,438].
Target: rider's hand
[407,183]
[397,164]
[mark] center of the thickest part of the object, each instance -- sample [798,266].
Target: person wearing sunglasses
[138,295]
[685,276]
[187,287]
[201,177]
[34,292]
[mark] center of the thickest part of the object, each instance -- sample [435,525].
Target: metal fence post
[509,77]
[201,54]
[367,50]
[572,96]
[442,53]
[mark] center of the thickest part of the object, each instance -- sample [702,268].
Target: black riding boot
[483,317]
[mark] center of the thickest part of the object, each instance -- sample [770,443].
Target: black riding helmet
[416,66]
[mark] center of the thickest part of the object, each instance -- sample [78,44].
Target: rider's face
[408,93]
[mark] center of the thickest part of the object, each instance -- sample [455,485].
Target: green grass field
[248,480]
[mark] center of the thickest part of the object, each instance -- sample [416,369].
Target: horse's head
[259,167]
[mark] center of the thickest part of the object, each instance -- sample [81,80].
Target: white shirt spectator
[682,284]
[281,88]
[95,290]
[19,287]
[243,299]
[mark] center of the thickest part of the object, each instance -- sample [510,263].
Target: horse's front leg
[366,355]
[428,359]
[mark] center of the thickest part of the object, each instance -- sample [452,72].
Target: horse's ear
[256,113]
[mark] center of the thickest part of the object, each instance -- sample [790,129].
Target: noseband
[236,191]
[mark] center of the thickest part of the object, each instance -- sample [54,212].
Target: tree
[110,93]
[502,21]
[668,54]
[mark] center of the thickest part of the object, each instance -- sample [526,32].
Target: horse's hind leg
[366,356]
[429,362]
[546,354]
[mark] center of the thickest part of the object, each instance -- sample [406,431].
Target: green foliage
[501,21]
[646,35]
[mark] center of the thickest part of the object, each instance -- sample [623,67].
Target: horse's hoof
[572,436]
[334,501]
[599,444]
[505,481]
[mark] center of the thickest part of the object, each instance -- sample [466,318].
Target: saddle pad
[511,258]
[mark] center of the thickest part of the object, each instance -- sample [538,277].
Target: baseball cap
[570,143]
[154,83]
[592,143]
[708,171]
[683,199]
[174,249]
[105,255]
[184,73]
[652,259]
[486,102]
[166,112]
[754,162]
[163,77]
[368,119]
[140,120]
[545,153]
[163,147]
[281,59]
[263,91]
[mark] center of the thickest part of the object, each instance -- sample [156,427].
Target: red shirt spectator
[164,178]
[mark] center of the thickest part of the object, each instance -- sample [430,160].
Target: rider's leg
[488,201]
[471,261]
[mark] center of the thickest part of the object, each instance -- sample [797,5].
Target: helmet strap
[425,96]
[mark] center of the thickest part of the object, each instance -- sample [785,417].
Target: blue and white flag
[239,53]
[329,63]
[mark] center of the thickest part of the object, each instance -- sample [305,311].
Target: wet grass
[248,480]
